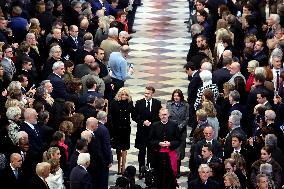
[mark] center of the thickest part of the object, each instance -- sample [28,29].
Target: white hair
[275,18]
[205,76]
[253,63]
[196,29]
[123,33]
[203,166]
[207,66]
[101,115]
[83,158]
[235,119]
[113,32]
[260,70]
[57,65]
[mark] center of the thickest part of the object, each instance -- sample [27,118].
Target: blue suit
[105,156]
[80,178]
[59,87]
[96,5]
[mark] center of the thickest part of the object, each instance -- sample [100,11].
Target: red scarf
[62,144]
[249,82]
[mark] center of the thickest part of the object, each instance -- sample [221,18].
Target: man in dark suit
[261,98]
[259,53]
[59,87]
[222,75]
[259,80]
[12,175]
[93,148]
[146,113]
[195,81]
[196,151]
[42,172]
[91,86]
[193,86]
[164,138]
[72,43]
[234,129]
[203,181]
[31,128]
[88,109]
[81,147]
[208,156]
[79,177]
[102,168]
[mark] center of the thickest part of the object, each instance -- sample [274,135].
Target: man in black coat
[81,147]
[164,138]
[146,113]
[193,86]
[222,75]
[203,181]
[79,177]
[102,168]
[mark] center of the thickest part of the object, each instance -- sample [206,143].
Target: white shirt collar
[29,124]
[83,167]
[57,74]
[13,168]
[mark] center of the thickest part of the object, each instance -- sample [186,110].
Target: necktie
[277,80]
[148,106]
[16,173]
[76,41]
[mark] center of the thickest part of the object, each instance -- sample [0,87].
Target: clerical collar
[164,122]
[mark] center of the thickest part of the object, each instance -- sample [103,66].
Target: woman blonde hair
[209,108]
[105,23]
[47,155]
[122,91]
[233,178]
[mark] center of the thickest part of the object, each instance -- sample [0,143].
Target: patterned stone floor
[158,51]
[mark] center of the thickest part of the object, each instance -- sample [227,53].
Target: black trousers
[142,155]
[117,85]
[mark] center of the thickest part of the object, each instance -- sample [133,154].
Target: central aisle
[158,52]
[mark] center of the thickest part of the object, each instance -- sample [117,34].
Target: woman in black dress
[120,109]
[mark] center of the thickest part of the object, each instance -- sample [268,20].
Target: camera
[149,176]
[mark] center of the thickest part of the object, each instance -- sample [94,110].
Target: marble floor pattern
[158,52]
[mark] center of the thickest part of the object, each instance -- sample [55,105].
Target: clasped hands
[165,144]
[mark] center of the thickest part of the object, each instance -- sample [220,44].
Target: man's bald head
[89,59]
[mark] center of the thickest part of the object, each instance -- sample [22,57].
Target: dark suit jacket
[193,86]
[81,70]
[102,134]
[140,115]
[37,183]
[84,97]
[217,148]
[8,178]
[35,141]
[59,87]
[228,144]
[197,184]
[80,178]
[73,159]
[220,76]
[71,47]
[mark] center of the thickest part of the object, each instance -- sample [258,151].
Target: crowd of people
[63,104]
[235,94]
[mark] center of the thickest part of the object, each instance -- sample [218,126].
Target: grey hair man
[79,177]
[110,44]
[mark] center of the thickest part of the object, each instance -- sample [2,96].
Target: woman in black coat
[120,110]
